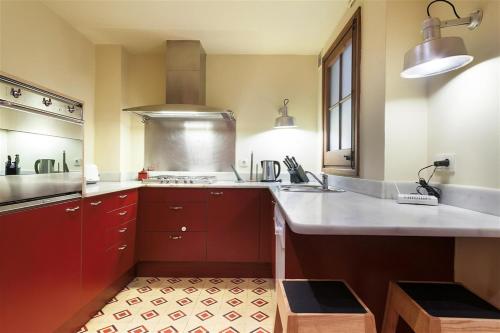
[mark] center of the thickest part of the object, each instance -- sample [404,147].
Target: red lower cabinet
[233,225]
[108,240]
[40,262]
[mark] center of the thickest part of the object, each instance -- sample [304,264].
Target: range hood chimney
[185,85]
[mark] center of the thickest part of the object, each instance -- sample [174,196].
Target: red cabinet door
[40,259]
[95,222]
[267,236]
[233,225]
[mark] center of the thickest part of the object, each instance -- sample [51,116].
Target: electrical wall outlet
[450,157]
[243,163]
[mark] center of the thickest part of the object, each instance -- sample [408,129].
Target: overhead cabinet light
[436,54]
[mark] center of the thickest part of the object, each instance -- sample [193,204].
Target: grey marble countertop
[349,213]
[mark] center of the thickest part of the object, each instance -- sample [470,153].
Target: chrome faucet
[324,183]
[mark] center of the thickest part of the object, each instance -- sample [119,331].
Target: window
[341,81]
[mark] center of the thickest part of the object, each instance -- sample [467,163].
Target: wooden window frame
[330,163]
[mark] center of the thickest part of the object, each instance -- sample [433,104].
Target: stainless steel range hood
[185,88]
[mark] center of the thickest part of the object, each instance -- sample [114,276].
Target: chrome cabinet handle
[74,209]
[47,101]
[16,93]
[122,213]
[96,203]
[176,207]
[123,196]
[122,230]
[175,237]
[184,229]
[216,193]
[123,247]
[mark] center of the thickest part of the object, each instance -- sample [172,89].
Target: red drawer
[120,258]
[175,216]
[99,204]
[170,246]
[174,195]
[125,198]
[122,215]
[119,234]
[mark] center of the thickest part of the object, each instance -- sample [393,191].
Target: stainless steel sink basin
[308,188]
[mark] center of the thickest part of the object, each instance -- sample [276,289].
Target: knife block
[298,175]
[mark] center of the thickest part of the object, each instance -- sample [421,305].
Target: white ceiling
[224,27]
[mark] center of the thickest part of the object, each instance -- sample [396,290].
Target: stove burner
[172,179]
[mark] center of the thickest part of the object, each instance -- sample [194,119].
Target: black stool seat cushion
[449,300]
[321,297]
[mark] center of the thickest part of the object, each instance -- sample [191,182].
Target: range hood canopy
[185,85]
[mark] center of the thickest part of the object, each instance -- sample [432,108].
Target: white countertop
[349,213]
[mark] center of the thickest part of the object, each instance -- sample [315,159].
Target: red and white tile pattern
[189,305]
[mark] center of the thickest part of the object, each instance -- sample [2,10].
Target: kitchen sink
[309,188]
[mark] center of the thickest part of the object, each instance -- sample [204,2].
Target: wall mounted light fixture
[284,121]
[436,54]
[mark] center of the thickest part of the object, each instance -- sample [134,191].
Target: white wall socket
[243,163]
[450,157]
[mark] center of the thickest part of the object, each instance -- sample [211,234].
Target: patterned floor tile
[189,305]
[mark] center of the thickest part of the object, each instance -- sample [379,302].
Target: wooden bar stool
[437,307]
[321,306]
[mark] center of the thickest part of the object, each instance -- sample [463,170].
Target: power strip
[417,199]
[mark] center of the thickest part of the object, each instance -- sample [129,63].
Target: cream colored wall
[38,46]
[108,105]
[405,100]
[464,105]
[372,114]
[254,88]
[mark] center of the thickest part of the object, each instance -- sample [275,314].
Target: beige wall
[405,100]
[254,88]
[464,105]
[372,85]
[38,46]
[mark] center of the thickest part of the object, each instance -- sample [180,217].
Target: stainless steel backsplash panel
[189,145]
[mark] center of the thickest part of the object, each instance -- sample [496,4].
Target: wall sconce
[436,54]
[284,121]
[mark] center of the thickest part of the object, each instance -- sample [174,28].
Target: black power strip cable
[423,184]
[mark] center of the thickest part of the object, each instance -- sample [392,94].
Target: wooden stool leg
[391,316]
[278,328]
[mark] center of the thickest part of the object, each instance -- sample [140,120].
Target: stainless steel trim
[37,203]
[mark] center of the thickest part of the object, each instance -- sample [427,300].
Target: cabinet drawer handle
[74,209]
[216,193]
[175,237]
[96,203]
[122,230]
[122,213]
[123,247]
[123,196]
[176,207]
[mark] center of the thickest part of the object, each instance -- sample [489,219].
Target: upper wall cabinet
[341,82]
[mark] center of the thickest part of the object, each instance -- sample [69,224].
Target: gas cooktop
[173,179]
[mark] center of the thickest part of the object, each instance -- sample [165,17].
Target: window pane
[347,70]
[346,124]
[334,82]
[334,129]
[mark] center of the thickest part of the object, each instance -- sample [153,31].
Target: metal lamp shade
[435,56]
[284,122]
